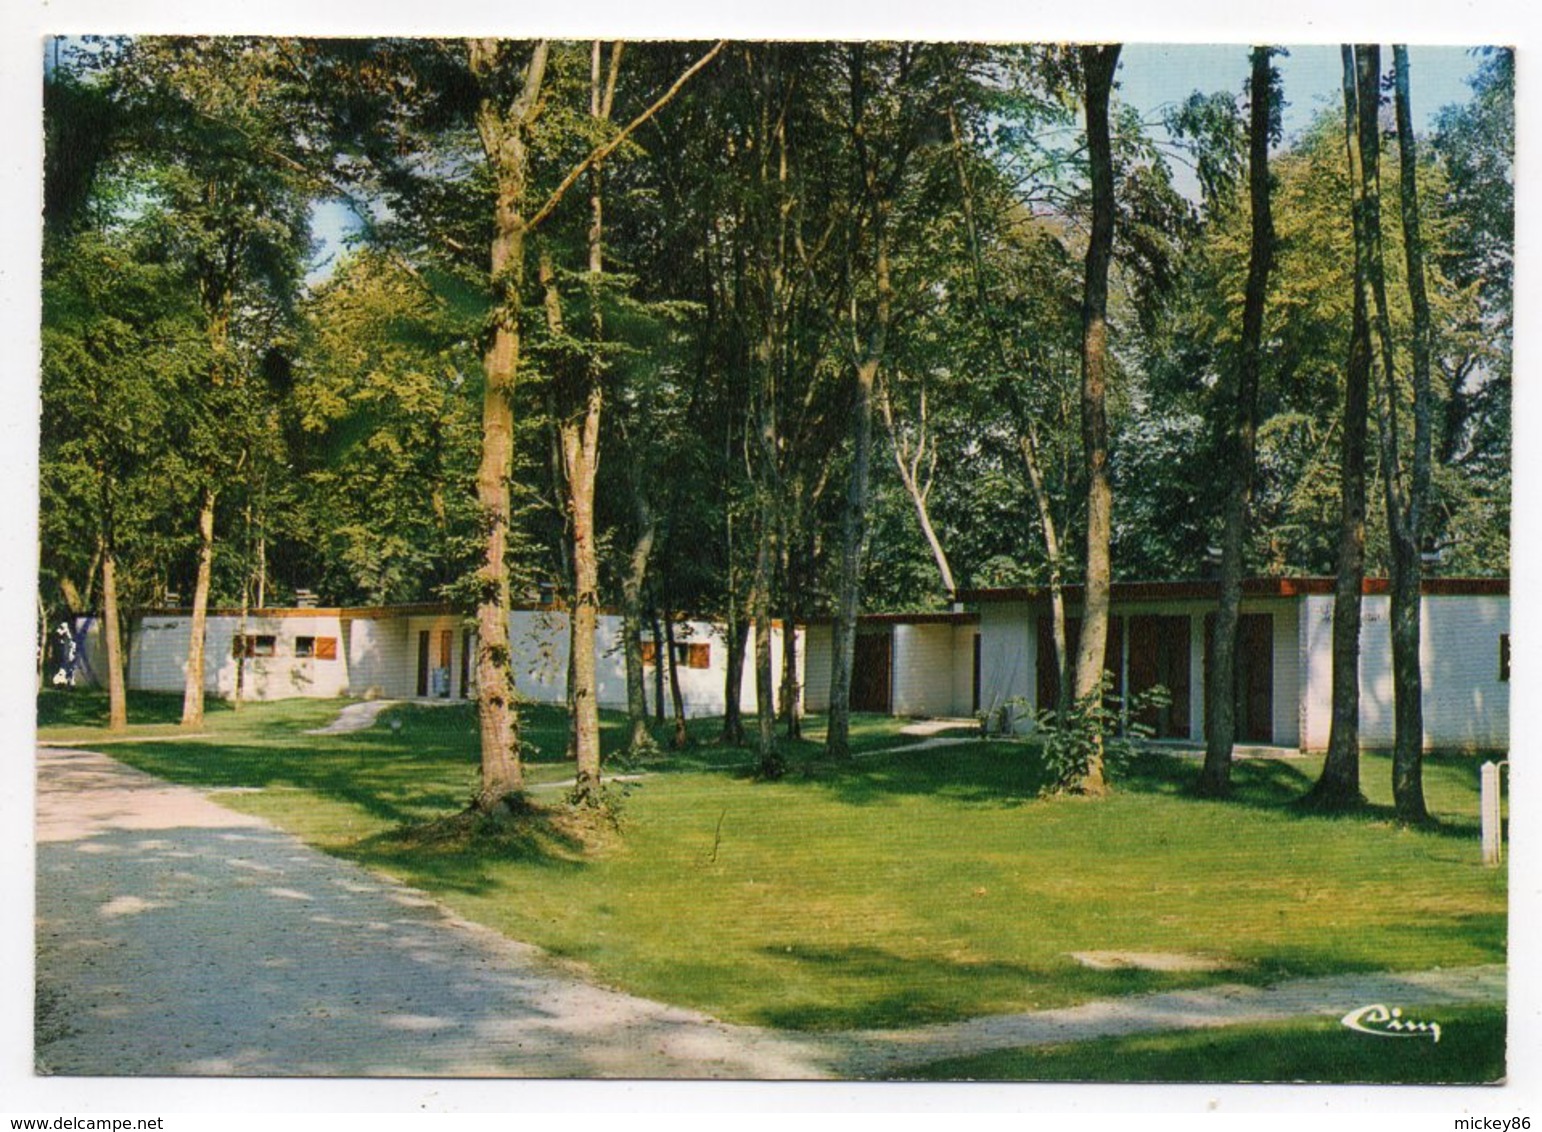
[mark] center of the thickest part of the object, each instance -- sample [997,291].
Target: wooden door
[871,671]
[1255,678]
[1254,688]
[423,662]
[1048,673]
[1159,655]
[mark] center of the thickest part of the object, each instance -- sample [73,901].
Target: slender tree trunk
[581,445]
[765,695]
[1338,786]
[789,700]
[1098,64]
[1407,528]
[853,540]
[192,696]
[631,614]
[660,646]
[1056,556]
[909,462]
[733,680]
[504,143]
[1220,696]
[677,700]
[117,698]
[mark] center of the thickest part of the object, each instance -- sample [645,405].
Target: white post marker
[1493,839]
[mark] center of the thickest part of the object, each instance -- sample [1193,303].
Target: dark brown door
[423,662]
[1255,678]
[974,688]
[1159,655]
[1254,703]
[465,665]
[1048,672]
[870,671]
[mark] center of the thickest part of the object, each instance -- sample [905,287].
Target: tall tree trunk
[1053,552]
[1408,720]
[192,696]
[679,739]
[581,446]
[659,661]
[909,462]
[733,679]
[788,700]
[1406,522]
[853,541]
[1220,696]
[504,143]
[117,699]
[1338,786]
[1098,65]
[639,739]
[765,694]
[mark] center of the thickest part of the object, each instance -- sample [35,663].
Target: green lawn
[1471,1050]
[908,888]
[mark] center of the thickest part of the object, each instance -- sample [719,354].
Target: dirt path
[176,937]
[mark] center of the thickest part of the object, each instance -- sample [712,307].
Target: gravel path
[355,717]
[176,937]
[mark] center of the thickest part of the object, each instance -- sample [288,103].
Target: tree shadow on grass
[87,707]
[993,774]
[888,990]
[460,852]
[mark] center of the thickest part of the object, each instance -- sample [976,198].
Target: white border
[25,22]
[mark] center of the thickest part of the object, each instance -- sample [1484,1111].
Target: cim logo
[1384,1023]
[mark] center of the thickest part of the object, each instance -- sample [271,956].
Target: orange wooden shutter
[326,648]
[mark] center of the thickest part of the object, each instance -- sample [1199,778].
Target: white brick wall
[158,655]
[818,650]
[1466,706]
[1008,644]
[963,668]
[923,669]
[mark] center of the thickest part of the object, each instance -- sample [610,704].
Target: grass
[907,888]
[1320,1050]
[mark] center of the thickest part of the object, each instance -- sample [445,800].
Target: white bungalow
[424,652]
[919,664]
[1157,635]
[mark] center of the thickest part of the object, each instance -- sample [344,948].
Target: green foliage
[1097,722]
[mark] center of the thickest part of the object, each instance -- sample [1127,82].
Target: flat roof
[1251,587]
[953,617]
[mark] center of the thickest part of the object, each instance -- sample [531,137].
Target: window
[253,645]
[321,648]
[688,654]
[1504,657]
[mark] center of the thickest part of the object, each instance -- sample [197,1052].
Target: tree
[1405,498]
[1220,721]
[1338,785]
[120,342]
[1098,66]
[216,145]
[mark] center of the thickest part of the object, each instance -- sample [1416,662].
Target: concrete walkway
[176,937]
[355,717]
